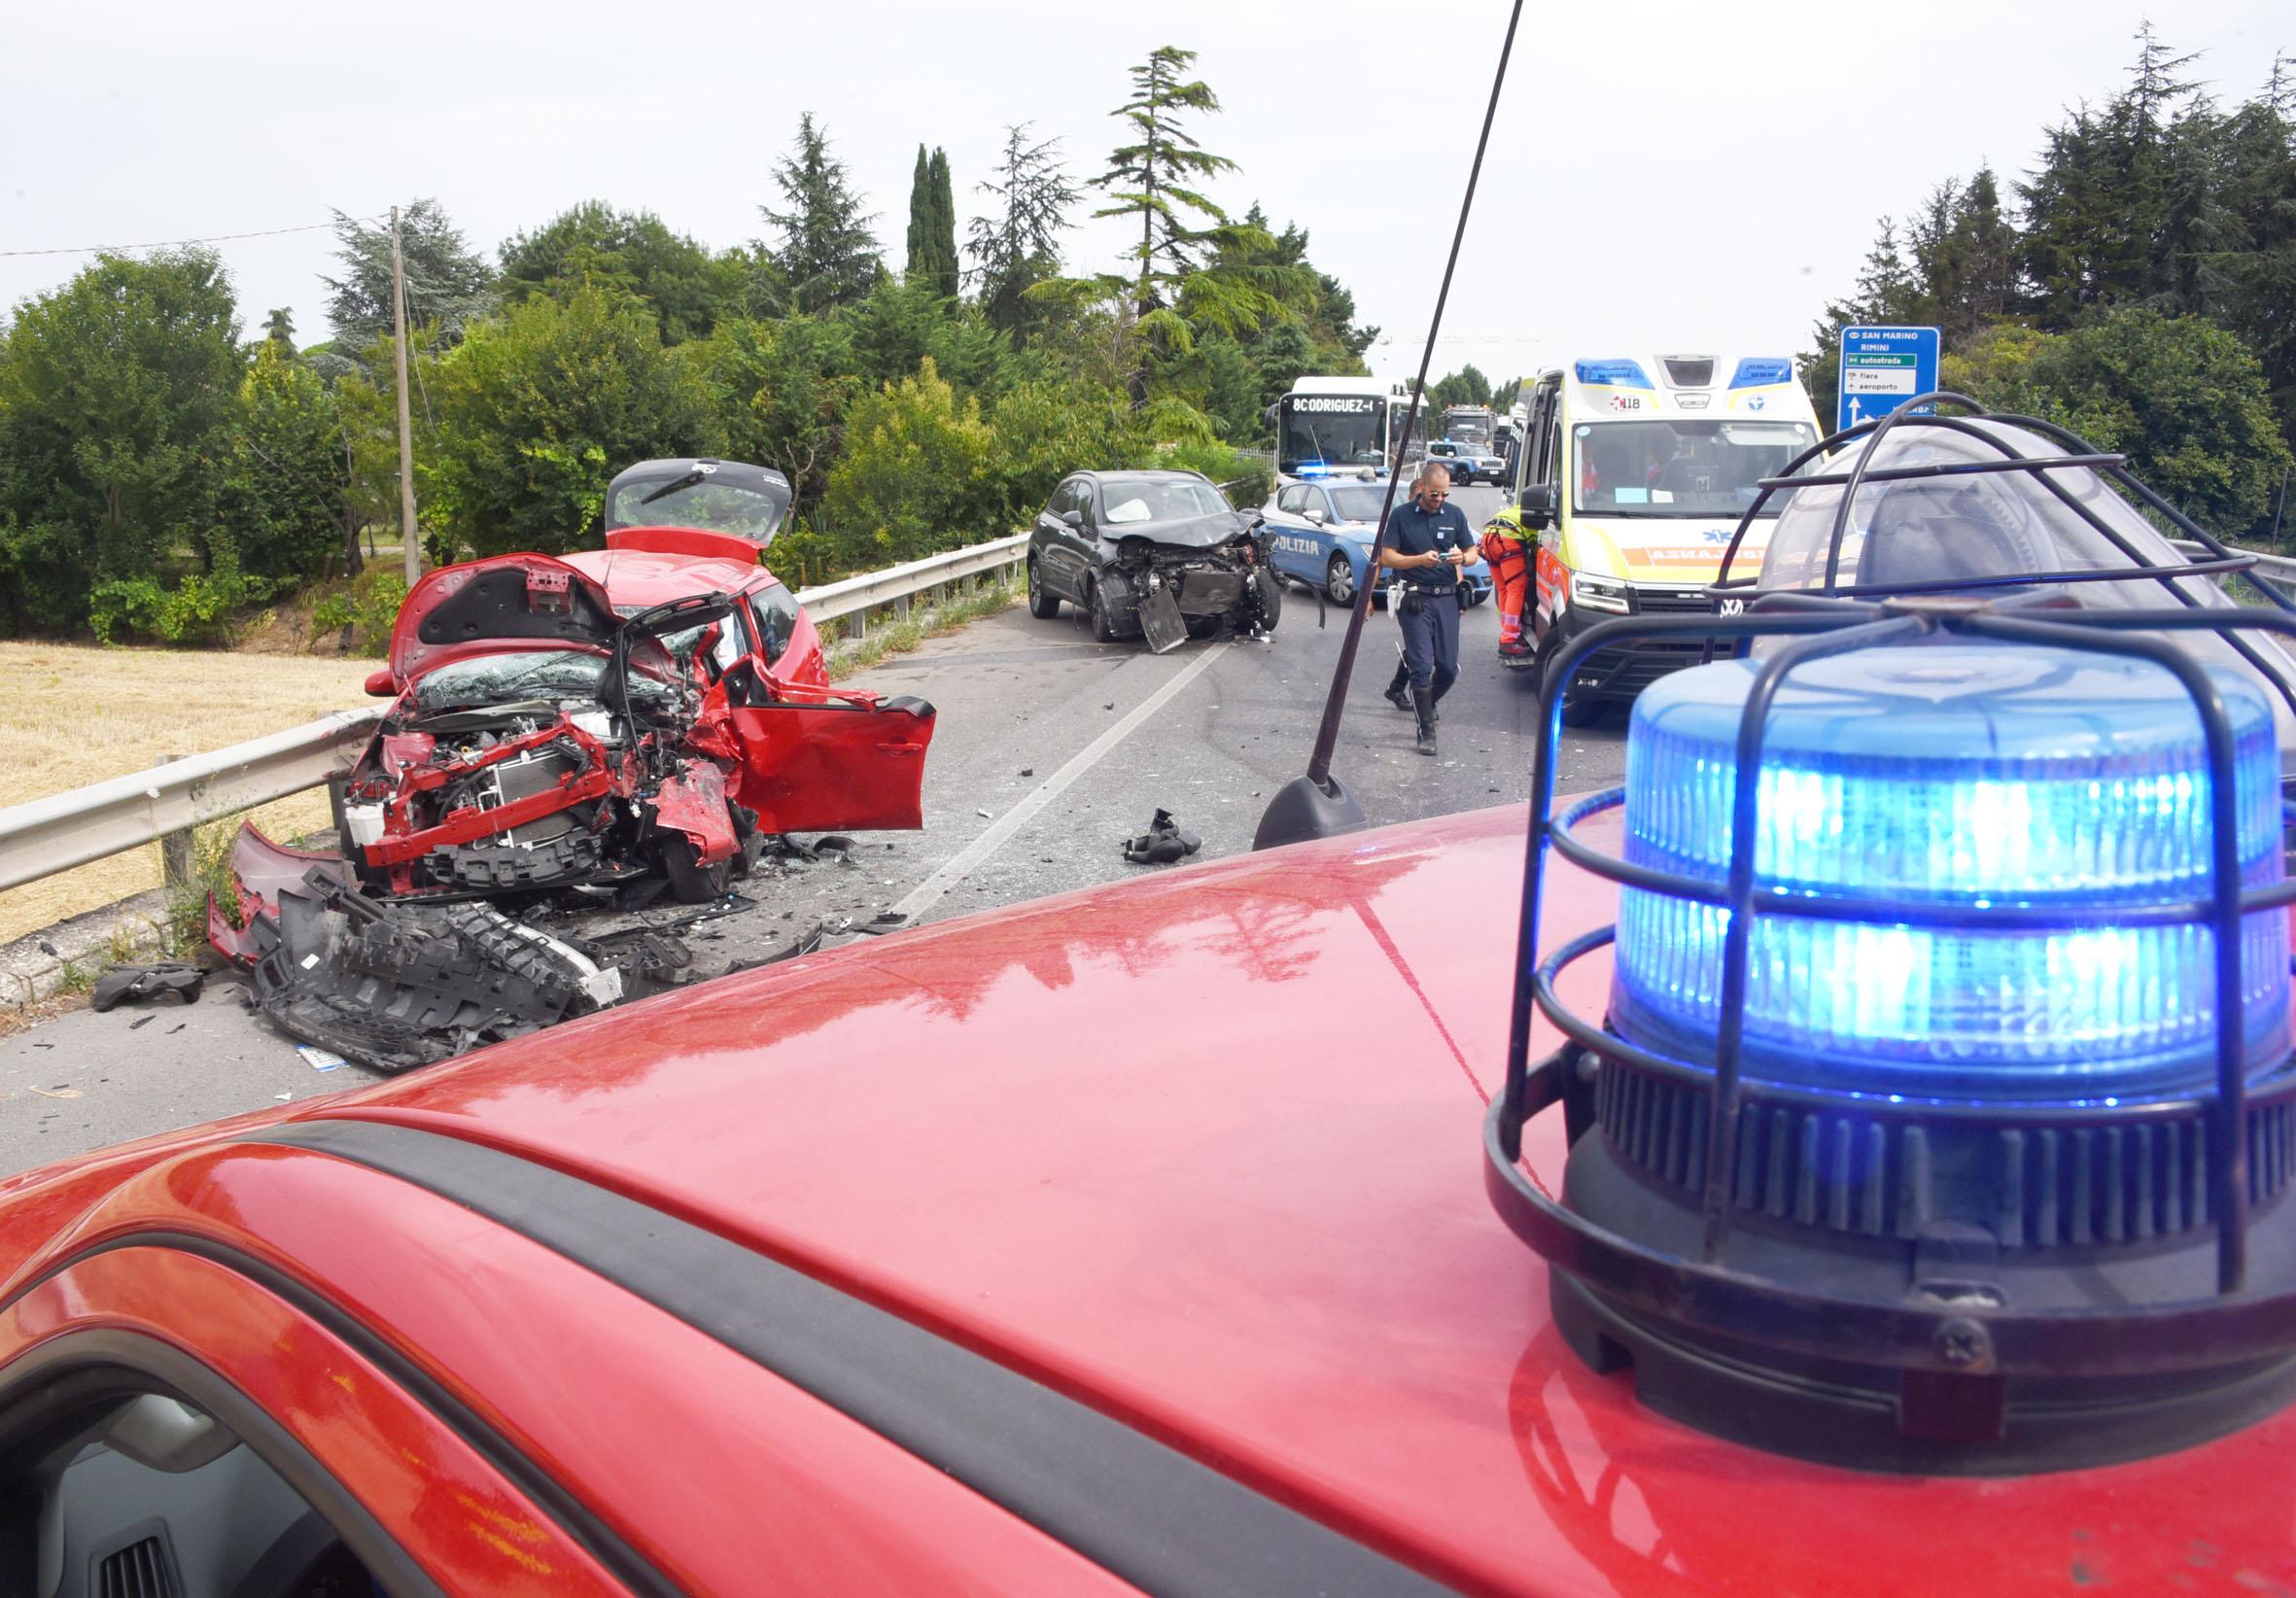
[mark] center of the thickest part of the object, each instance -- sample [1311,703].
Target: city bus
[1336,425]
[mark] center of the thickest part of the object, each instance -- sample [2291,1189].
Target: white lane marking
[998,832]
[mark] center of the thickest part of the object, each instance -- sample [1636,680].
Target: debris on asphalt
[398,984]
[141,982]
[140,1020]
[320,1059]
[58,1092]
[1027,771]
[1163,844]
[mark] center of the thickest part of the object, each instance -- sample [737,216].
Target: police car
[1321,533]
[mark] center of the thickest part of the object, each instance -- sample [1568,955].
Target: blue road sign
[1882,367]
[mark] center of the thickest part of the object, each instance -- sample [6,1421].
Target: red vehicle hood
[1207,1153]
[507,602]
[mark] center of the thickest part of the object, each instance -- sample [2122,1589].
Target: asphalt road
[1049,751]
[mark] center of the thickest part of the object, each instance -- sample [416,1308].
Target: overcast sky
[1662,175]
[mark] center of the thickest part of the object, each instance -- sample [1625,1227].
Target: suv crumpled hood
[1194,533]
[506,602]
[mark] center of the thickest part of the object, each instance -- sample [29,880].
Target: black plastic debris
[141,982]
[399,984]
[1163,844]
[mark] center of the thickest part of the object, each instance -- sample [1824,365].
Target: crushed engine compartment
[1179,591]
[535,768]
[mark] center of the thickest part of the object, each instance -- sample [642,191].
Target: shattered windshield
[525,673]
[1130,503]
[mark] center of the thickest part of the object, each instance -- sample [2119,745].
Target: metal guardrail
[68,830]
[2280,571]
[896,584]
[163,804]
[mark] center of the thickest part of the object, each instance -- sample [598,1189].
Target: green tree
[1020,246]
[916,475]
[932,227]
[1467,386]
[449,286]
[2183,399]
[688,288]
[279,330]
[1044,428]
[828,257]
[539,408]
[781,390]
[285,497]
[118,394]
[949,269]
[1174,284]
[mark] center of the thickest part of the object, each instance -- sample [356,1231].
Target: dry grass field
[71,715]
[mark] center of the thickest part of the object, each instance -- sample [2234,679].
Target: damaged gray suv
[1160,555]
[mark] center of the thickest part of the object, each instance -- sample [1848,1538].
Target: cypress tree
[944,220]
[919,266]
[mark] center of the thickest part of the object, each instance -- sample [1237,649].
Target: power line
[172,243]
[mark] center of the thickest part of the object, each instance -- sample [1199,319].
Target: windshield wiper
[674,485]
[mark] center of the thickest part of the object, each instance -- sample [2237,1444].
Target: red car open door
[819,760]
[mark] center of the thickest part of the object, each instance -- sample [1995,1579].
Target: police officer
[1428,540]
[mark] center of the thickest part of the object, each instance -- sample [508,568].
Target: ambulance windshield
[1680,469]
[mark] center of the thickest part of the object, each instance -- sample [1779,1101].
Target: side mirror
[1537,505]
[1315,513]
[381,683]
[1074,518]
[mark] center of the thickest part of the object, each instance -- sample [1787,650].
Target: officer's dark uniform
[1428,604]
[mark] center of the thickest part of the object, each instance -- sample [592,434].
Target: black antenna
[1317,805]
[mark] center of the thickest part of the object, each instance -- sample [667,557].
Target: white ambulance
[1634,474]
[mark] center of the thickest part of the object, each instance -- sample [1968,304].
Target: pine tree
[1170,282]
[279,331]
[827,255]
[1022,245]
[448,285]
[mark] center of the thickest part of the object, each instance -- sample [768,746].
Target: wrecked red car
[659,705]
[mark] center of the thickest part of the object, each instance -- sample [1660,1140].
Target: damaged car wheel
[691,881]
[1104,623]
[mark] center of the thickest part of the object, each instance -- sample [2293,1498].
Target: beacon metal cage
[1969,1284]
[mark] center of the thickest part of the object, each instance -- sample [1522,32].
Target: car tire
[1578,710]
[1043,603]
[691,881]
[1271,598]
[1338,579]
[1096,606]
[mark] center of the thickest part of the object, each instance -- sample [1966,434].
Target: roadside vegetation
[2136,286]
[161,479]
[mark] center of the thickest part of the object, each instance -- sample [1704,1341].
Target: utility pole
[414,549]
